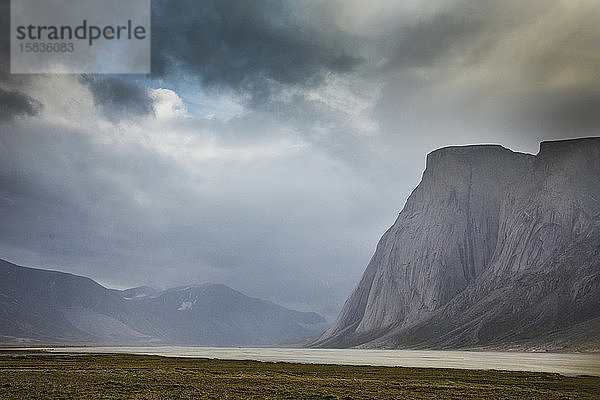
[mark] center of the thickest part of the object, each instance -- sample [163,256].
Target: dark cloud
[250,47]
[426,41]
[485,69]
[14,99]
[118,97]
[14,104]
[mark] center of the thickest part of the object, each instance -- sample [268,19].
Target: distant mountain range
[493,249]
[49,307]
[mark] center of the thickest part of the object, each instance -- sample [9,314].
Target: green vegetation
[53,376]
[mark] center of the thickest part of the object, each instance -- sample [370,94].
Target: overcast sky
[275,141]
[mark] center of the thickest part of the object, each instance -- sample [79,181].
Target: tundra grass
[58,376]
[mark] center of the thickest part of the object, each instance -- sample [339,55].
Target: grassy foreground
[51,376]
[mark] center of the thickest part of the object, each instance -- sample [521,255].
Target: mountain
[54,306]
[39,306]
[218,315]
[493,249]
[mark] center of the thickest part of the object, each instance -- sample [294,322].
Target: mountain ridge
[52,307]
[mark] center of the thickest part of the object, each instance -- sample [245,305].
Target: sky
[274,142]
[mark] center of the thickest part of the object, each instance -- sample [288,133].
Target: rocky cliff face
[493,248]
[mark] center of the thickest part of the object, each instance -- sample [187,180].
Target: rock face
[39,306]
[492,249]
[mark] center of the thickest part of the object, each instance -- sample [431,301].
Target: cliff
[493,249]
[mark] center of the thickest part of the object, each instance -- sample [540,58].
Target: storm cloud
[117,97]
[250,47]
[14,104]
[274,141]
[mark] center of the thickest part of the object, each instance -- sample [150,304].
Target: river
[565,364]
